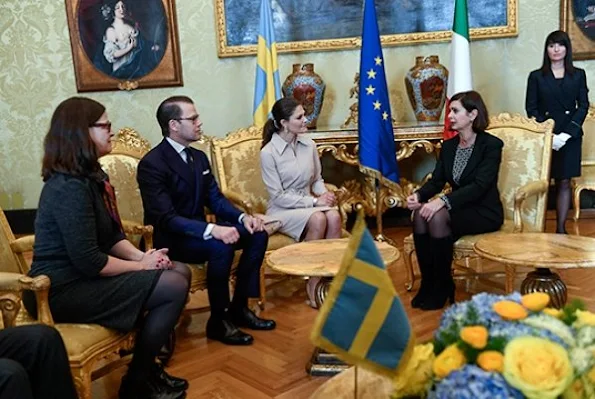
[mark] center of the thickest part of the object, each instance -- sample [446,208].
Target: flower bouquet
[512,346]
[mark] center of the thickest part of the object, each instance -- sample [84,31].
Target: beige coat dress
[293,178]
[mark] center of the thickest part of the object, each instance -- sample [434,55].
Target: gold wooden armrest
[23,244]
[238,201]
[40,285]
[146,231]
[522,193]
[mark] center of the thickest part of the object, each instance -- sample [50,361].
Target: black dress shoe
[246,318]
[146,389]
[163,378]
[226,332]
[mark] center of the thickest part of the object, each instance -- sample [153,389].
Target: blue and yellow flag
[268,84]
[377,155]
[362,319]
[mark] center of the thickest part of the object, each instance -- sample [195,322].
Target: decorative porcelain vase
[426,87]
[307,87]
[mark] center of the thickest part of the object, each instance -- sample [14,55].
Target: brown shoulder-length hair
[68,147]
[471,100]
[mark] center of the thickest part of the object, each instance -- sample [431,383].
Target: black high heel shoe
[421,296]
[440,300]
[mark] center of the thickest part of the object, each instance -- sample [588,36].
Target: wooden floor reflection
[274,367]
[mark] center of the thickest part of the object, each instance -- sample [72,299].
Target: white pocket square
[206,172]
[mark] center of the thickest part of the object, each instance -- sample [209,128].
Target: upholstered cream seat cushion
[82,340]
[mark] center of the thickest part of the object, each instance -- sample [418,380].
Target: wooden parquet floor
[274,367]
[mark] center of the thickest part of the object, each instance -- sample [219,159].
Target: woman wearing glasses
[97,275]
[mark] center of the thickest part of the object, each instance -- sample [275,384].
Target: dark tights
[562,204]
[437,227]
[163,308]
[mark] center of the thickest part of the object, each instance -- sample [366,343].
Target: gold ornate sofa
[523,183]
[93,351]
[587,179]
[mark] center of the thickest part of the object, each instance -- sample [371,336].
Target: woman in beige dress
[292,173]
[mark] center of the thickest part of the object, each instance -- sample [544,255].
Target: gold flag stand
[379,234]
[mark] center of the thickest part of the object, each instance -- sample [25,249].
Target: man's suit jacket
[478,184]
[175,194]
[565,101]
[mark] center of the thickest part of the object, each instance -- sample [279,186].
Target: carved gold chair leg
[577,201]
[82,382]
[408,250]
[510,274]
[262,288]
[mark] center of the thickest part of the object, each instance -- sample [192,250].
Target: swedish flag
[268,84]
[362,319]
[377,155]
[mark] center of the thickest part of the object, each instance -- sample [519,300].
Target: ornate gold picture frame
[124,44]
[318,25]
[577,18]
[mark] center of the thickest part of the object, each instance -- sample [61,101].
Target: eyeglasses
[105,125]
[189,118]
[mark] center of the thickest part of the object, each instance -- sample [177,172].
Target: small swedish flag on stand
[362,319]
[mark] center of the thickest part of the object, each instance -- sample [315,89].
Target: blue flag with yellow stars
[362,319]
[377,155]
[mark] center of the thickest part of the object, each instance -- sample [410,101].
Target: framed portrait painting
[124,44]
[577,18]
[316,25]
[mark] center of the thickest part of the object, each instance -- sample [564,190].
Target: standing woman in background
[558,91]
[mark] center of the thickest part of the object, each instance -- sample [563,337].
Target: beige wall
[37,73]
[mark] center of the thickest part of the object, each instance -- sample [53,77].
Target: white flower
[585,336]
[553,325]
[582,360]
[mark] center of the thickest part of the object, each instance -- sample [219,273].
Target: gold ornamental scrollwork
[406,148]
[340,153]
[10,304]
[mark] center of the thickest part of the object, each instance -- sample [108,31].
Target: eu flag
[377,156]
[268,84]
[362,319]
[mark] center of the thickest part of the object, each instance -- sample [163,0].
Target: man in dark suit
[176,185]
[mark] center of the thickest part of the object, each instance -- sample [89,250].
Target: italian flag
[459,78]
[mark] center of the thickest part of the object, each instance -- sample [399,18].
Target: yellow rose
[557,313]
[576,390]
[451,358]
[539,368]
[415,379]
[584,318]
[535,301]
[509,310]
[491,361]
[591,375]
[476,336]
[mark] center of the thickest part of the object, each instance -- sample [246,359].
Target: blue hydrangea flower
[471,382]
[482,303]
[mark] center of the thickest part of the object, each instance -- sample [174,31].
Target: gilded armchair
[523,182]
[586,181]
[93,351]
[237,163]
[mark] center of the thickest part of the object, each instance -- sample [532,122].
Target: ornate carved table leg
[543,280]
[322,363]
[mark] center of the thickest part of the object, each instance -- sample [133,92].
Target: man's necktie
[189,158]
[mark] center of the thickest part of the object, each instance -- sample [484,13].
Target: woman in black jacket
[470,163]
[558,91]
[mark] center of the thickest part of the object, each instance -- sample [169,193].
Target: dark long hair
[471,100]
[282,110]
[559,37]
[68,147]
